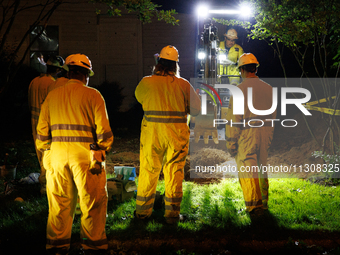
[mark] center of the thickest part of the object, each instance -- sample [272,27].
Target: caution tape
[309,106]
[321,109]
[320,101]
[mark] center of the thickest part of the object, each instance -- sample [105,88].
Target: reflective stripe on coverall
[72,117]
[37,93]
[252,143]
[233,54]
[166,101]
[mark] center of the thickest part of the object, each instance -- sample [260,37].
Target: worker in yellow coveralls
[250,144]
[37,92]
[167,100]
[74,133]
[229,54]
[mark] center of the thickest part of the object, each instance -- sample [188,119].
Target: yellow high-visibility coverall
[61,81]
[233,54]
[252,143]
[72,117]
[166,101]
[37,92]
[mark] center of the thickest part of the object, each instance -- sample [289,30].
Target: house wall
[121,48]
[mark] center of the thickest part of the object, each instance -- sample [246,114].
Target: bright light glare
[222,57]
[201,55]
[246,10]
[202,11]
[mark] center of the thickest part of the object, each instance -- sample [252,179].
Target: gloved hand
[232,148]
[97,158]
[232,152]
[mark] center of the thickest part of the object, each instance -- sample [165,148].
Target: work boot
[141,222]
[175,220]
[141,217]
[256,215]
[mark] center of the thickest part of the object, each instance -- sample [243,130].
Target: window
[45,45]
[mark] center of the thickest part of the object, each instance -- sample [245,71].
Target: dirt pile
[209,157]
[208,160]
[295,145]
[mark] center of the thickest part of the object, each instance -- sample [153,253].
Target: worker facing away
[37,92]
[231,52]
[62,77]
[73,120]
[167,100]
[250,145]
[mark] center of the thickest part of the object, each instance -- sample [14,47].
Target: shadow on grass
[218,231]
[208,229]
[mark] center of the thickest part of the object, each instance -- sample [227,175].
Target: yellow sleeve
[103,129]
[140,91]
[235,52]
[44,138]
[194,104]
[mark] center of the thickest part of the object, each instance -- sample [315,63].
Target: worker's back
[77,116]
[262,94]
[167,94]
[37,93]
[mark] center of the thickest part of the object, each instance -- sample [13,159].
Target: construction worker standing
[166,99]
[37,92]
[231,52]
[73,123]
[250,144]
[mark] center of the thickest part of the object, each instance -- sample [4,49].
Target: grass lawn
[301,215]
[303,218]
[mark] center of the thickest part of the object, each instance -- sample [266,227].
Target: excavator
[210,57]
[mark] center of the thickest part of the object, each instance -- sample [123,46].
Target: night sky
[269,62]
[189,6]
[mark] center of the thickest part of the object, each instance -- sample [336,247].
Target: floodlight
[201,55]
[222,57]
[245,10]
[202,11]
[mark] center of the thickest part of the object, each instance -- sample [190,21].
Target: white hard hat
[246,59]
[79,60]
[170,53]
[231,34]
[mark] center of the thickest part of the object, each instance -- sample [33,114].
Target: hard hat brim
[91,73]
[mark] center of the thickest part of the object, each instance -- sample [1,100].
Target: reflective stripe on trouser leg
[150,168]
[93,204]
[250,182]
[146,193]
[61,194]
[173,175]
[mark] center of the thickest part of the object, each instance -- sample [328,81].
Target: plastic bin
[128,172]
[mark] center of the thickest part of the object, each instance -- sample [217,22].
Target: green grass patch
[296,206]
